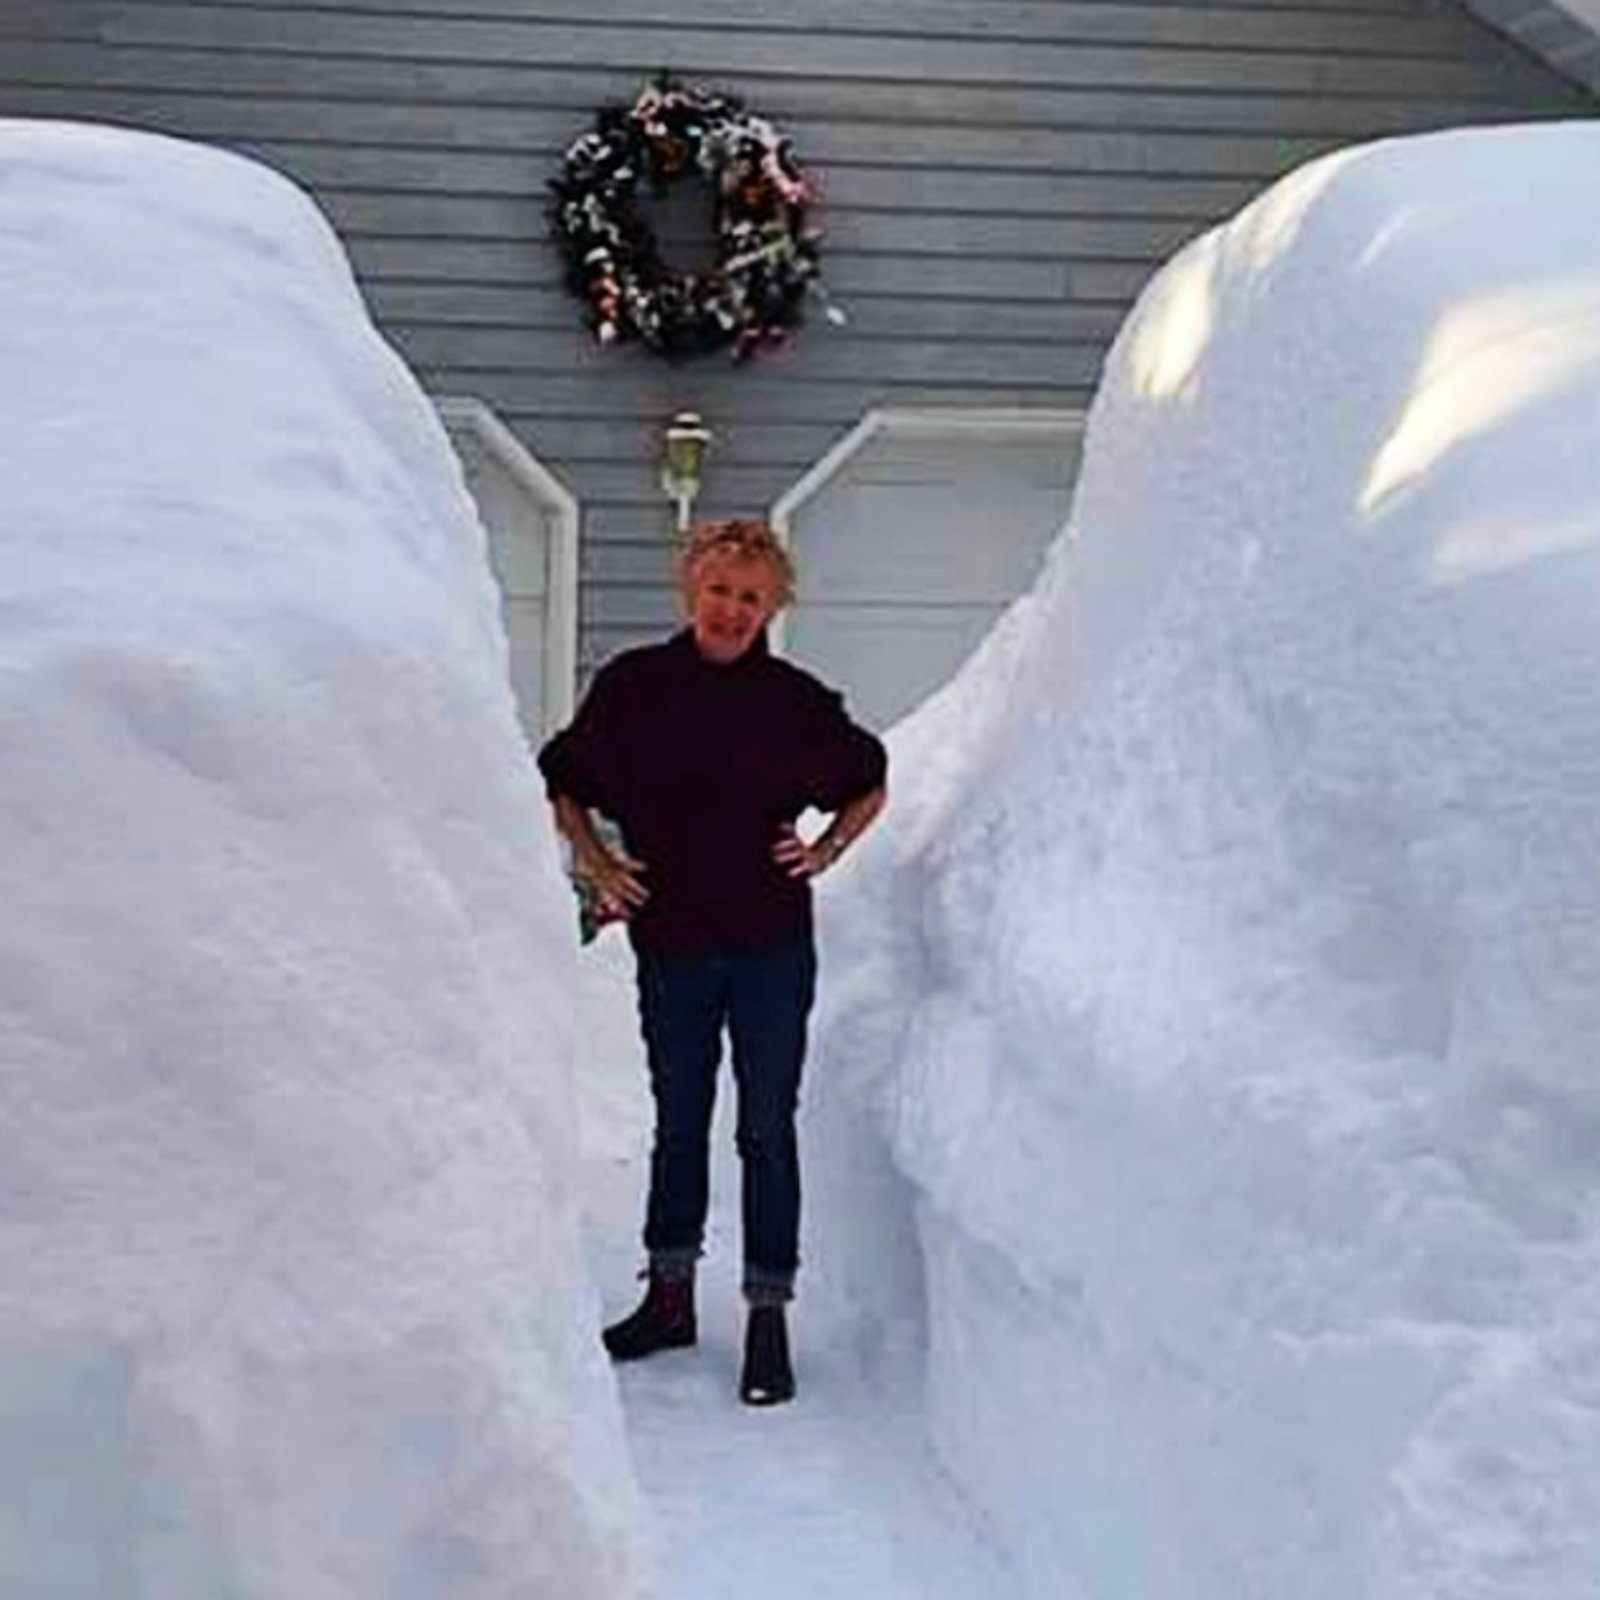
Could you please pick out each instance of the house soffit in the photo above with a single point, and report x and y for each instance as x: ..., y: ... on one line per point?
x: 1564, y: 33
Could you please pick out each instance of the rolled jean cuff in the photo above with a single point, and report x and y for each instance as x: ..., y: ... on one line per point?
x: 674, y: 1266
x: 764, y: 1288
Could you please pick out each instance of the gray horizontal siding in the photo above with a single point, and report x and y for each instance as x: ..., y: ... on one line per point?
x: 390, y: 170
x: 1000, y: 177
x: 836, y: 356
x: 511, y: 217
x: 1278, y: 29
x: 49, y: 19
x: 487, y: 105
x: 1372, y: 25
x: 388, y: 259
x: 490, y: 310
x: 1199, y: 62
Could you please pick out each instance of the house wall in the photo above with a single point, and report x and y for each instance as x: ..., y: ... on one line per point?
x: 1001, y: 176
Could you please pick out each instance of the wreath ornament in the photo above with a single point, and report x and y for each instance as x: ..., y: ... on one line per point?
x: 767, y: 252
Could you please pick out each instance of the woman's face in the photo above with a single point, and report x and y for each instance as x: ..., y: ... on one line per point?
x: 731, y: 599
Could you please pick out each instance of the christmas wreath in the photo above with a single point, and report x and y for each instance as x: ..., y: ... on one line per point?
x: 767, y: 255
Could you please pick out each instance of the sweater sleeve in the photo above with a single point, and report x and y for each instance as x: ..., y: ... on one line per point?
x: 840, y: 760
x: 581, y: 760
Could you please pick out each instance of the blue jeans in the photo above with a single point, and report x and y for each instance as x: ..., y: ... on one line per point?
x: 763, y: 998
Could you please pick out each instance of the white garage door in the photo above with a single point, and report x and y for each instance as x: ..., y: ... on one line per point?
x: 912, y: 536
x: 531, y: 521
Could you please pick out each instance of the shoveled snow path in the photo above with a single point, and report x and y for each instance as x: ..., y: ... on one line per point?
x: 836, y: 1494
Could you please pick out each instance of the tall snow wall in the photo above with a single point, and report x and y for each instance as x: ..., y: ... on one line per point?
x: 1225, y: 981
x: 291, y: 1299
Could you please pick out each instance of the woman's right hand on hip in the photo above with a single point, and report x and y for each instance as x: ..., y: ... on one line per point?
x: 616, y: 880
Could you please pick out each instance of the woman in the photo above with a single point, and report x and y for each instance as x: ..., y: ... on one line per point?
x: 705, y: 749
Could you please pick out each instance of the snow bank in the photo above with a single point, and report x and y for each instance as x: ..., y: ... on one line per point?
x: 1226, y: 979
x: 291, y: 1302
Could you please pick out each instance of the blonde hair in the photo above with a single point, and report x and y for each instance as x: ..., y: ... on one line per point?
x: 745, y: 539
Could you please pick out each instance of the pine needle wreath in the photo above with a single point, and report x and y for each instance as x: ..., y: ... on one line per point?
x: 767, y: 253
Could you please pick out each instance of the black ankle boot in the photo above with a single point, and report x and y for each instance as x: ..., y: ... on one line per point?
x: 768, y: 1377
x: 663, y: 1321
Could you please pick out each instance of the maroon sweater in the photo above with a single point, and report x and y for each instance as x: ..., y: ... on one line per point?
x: 701, y: 764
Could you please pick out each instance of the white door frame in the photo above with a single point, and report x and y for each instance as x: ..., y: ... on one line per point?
x: 560, y: 508
x: 917, y: 423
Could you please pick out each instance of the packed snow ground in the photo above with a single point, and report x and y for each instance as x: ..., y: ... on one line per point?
x: 835, y: 1495
x: 1224, y: 982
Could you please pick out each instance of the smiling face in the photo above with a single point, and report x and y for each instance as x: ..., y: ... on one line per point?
x: 730, y: 598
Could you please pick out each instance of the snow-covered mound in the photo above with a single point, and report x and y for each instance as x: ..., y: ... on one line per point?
x: 1226, y: 979
x: 291, y: 1300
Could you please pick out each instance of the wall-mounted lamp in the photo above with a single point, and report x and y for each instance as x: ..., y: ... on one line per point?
x: 683, y: 460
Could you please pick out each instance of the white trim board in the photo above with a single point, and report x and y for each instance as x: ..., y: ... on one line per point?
x: 914, y: 429
x: 916, y: 423
x: 559, y: 504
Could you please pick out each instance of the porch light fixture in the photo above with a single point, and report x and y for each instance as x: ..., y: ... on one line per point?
x: 683, y: 460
